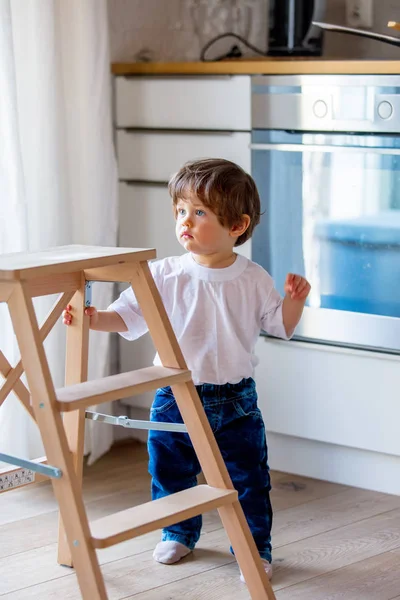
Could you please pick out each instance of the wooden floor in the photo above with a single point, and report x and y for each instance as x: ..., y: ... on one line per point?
x: 331, y: 542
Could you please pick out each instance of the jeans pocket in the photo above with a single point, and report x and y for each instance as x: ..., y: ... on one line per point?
x: 163, y: 401
x: 246, y: 406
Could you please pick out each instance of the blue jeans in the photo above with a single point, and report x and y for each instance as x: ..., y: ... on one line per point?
x: 240, y: 433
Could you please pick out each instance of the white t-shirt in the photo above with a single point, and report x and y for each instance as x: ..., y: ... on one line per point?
x: 216, y: 314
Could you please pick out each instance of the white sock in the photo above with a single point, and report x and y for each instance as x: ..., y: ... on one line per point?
x: 170, y: 552
x: 267, y: 568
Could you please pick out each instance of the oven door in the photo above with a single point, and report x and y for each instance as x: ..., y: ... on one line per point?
x: 331, y: 212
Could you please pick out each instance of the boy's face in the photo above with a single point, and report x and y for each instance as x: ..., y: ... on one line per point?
x: 199, y: 230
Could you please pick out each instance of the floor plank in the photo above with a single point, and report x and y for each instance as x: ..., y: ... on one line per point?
x: 320, y: 554
x: 376, y: 578
x: 221, y: 582
x: 292, y: 490
x: 123, y: 577
x: 329, y: 513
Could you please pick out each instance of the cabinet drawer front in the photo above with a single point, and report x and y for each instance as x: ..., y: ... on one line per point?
x: 184, y: 102
x: 332, y: 395
x: 151, y: 156
x: 146, y: 219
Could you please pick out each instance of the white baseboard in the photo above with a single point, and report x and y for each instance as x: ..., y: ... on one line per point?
x: 338, y: 464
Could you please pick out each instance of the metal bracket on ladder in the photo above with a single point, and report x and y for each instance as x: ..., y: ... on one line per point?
x: 136, y: 424
x: 32, y: 466
x: 88, y: 293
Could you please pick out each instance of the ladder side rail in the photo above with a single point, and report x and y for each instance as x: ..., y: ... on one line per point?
x: 67, y: 489
x: 76, y: 371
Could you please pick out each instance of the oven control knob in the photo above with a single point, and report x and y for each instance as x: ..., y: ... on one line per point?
x: 385, y: 110
x: 320, y: 109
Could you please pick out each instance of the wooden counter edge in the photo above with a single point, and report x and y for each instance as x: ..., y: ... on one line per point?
x: 260, y: 67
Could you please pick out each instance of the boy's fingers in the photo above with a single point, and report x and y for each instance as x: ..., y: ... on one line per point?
x: 297, y: 281
x: 303, y: 291
x: 302, y: 285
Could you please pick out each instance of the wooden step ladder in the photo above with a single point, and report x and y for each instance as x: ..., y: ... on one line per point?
x: 67, y: 270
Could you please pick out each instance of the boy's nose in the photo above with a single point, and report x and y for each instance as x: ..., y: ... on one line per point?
x: 187, y: 222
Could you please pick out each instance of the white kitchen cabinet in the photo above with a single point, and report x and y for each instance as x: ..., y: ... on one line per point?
x: 156, y: 155
x: 188, y: 102
x: 339, y: 407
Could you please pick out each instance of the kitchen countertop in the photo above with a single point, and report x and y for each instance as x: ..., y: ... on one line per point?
x: 261, y: 66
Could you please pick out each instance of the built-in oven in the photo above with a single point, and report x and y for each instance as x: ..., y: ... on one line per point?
x: 326, y: 160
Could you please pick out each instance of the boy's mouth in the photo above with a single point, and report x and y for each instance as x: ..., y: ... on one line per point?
x: 186, y: 235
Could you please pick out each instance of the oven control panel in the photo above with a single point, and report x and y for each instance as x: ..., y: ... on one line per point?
x: 338, y: 103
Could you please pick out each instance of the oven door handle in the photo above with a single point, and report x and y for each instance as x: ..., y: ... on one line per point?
x: 321, y: 148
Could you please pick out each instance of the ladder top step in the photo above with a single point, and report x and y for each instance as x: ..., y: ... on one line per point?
x: 114, y: 387
x: 127, y: 524
x: 67, y: 259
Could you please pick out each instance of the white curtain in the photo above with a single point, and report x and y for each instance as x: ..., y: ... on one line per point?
x: 58, y: 178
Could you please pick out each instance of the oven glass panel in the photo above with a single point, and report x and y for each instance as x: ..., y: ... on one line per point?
x: 331, y: 206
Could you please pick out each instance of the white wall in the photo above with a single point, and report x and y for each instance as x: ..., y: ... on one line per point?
x: 167, y: 30
x: 346, y: 46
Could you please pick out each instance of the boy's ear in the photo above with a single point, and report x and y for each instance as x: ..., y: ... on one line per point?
x: 239, y: 228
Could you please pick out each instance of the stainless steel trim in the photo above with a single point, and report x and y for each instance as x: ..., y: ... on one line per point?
x: 351, y: 103
x: 327, y: 80
x: 344, y: 328
x: 324, y: 148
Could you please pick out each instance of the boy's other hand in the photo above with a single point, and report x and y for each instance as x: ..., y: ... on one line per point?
x: 296, y: 287
x: 91, y: 312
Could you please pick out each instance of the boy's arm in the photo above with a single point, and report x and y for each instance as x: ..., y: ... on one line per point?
x: 291, y: 313
x: 107, y: 320
x: 100, y: 320
x: 297, y: 289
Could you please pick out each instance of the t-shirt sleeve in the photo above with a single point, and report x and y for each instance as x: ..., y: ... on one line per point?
x: 129, y: 310
x: 272, y: 317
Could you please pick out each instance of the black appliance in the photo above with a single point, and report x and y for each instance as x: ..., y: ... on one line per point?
x: 291, y: 29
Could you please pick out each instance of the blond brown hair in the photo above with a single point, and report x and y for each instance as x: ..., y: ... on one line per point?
x: 222, y: 186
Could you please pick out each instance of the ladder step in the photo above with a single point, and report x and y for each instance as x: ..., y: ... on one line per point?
x: 114, y: 387
x: 127, y: 524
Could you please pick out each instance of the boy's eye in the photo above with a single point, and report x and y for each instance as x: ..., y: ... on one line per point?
x: 181, y: 211
x: 200, y: 212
